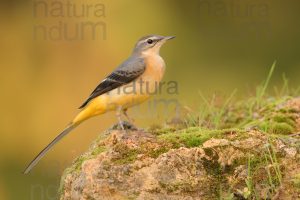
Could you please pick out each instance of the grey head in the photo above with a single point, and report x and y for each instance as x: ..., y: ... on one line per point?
x: 150, y: 44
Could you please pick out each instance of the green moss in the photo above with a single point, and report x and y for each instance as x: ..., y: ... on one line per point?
x: 125, y: 154
x: 161, y: 131
x: 75, y: 168
x: 98, y: 150
x: 77, y: 163
x: 154, y: 153
x: 296, y: 180
x: 288, y: 110
x: 128, y: 158
x: 282, y: 128
x: 192, y: 137
x: 277, y: 121
x: 285, y: 119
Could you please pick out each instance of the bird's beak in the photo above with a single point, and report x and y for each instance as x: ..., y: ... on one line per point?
x: 169, y: 37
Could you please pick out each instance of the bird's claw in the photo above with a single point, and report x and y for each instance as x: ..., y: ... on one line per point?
x: 124, y: 125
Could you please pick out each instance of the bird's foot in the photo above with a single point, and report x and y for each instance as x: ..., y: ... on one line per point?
x: 130, y: 120
x: 124, y: 125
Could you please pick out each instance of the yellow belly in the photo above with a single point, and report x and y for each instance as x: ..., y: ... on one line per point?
x: 118, y: 98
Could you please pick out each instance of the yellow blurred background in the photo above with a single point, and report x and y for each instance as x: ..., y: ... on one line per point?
x: 220, y: 45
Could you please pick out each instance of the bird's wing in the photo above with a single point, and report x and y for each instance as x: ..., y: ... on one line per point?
x: 125, y: 73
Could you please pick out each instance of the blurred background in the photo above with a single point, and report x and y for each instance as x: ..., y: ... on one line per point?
x: 53, y: 54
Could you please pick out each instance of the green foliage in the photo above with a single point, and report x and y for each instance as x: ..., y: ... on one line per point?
x: 261, y: 89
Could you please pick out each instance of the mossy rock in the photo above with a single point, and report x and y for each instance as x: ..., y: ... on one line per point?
x: 281, y: 128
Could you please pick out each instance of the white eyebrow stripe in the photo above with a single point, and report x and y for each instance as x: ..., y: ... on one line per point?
x: 142, y: 41
x: 145, y: 40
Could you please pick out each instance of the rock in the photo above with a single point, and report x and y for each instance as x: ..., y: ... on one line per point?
x: 215, y: 143
x: 290, y: 152
x: 111, y: 176
x: 248, y: 143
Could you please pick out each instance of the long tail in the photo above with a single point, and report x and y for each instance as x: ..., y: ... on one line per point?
x: 86, y: 113
x: 48, y: 147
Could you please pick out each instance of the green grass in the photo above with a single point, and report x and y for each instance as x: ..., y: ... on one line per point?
x: 263, y: 168
x: 272, y: 168
x: 210, y: 114
x: 258, y: 111
x: 247, y: 191
x: 261, y: 90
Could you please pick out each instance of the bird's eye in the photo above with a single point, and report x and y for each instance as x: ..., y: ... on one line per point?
x: 149, y: 41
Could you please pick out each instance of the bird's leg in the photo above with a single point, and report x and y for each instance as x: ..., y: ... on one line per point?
x: 131, y: 121
x: 118, y: 113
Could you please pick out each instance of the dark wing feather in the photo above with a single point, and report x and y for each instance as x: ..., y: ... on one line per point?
x: 125, y: 73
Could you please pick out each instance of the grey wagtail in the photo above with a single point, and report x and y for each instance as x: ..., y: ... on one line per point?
x: 142, y: 72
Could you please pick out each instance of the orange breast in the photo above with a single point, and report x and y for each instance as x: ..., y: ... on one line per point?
x: 155, y: 68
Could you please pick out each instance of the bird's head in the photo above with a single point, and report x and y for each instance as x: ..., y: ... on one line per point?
x: 150, y: 44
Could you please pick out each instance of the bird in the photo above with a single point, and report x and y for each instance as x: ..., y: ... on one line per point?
x: 131, y: 83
